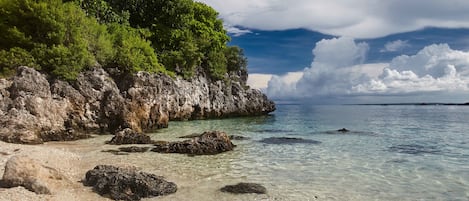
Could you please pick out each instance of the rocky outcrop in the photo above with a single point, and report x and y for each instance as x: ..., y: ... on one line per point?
x: 242, y: 188
x: 34, y: 109
x: 208, y: 143
x: 128, y: 136
x: 127, y: 183
x: 26, y: 172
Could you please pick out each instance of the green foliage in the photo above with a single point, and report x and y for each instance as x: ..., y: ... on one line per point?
x: 236, y: 61
x: 102, y: 11
x: 133, y: 53
x: 185, y: 34
x: 64, y: 39
x: 10, y: 59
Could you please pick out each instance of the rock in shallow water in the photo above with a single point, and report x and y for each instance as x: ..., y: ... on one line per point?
x: 242, y: 188
x: 127, y: 183
x: 208, y: 143
x: 128, y: 136
x: 288, y: 140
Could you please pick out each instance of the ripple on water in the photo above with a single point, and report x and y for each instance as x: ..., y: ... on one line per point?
x: 288, y: 140
x: 415, y: 149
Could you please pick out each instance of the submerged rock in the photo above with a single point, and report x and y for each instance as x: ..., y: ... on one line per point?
x: 128, y: 136
x: 242, y: 188
x: 288, y: 140
x: 415, y: 149
x: 238, y: 137
x: 134, y: 149
x: 207, y: 143
x: 26, y: 172
x: 127, y: 183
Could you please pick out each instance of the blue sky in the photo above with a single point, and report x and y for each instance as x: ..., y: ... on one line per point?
x: 361, y: 51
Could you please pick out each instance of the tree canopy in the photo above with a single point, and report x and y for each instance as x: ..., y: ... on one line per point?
x: 64, y: 38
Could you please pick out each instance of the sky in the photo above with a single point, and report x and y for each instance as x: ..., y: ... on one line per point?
x: 361, y: 51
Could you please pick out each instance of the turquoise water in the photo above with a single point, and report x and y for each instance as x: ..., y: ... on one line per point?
x: 391, y: 153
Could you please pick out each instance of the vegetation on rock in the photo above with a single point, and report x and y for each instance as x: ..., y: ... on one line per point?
x: 64, y: 38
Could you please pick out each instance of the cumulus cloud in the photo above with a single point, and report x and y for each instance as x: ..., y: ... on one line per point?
x: 337, y: 71
x: 357, y: 18
x: 395, y: 46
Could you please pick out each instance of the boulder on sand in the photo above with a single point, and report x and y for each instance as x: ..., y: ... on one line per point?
x: 26, y: 172
x: 121, y: 183
x: 207, y: 143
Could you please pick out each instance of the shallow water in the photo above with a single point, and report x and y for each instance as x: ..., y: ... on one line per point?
x: 390, y: 153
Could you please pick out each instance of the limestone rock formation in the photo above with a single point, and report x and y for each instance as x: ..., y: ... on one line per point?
x: 26, y: 172
x: 127, y: 183
x: 35, y: 108
x: 206, y: 144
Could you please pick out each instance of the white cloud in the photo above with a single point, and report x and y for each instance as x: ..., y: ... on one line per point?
x: 259, y: 81
x: 395, y: 46
x: 235, y: 31
x: 357, y: 18
x: 436, y: 72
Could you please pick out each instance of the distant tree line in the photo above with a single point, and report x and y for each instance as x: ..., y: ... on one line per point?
x: 64, y: 38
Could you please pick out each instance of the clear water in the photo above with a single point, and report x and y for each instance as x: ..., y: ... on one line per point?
x: 391, y: 153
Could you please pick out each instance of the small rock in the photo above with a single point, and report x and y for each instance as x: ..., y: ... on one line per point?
x: 128, y: 136
x: 242, y: 188
x: 288, y: 140
x: 134, y: 149
x: 206, y: 144
x: 343, y: 130
x: 127, y: 183
x: 24, y: 171
x: 238, y: 137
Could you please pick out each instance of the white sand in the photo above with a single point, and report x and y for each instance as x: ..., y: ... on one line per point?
x: 73, y: 159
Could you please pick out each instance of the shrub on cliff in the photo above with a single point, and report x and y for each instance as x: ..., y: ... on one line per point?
x: 60, y: 38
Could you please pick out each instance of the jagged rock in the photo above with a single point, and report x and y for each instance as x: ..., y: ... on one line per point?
x: 288, y: 140
x: 34, y: 109
x: 24, y: 171
x: 128, y: 136
x: 127, y: 183
x: 242, y: 188
x: 134, y: 149
x: 206, y: 144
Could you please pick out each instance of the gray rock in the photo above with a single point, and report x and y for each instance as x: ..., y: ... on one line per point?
x: 127, y: 183
x: 23, y: 171
x: 34, y: 110
x: 128, y: 136
x: 208, y: 143
x: 242, y: 188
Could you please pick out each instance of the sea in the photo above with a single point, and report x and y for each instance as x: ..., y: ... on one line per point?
x: 389, y: 152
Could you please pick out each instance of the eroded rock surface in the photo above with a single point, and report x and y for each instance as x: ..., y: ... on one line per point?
x: 35, y: 108
x: 208, y: 143
x: 127, y: 183
x: 34, y: 176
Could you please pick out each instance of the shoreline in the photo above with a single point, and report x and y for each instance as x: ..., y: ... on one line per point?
x: 74, y: 158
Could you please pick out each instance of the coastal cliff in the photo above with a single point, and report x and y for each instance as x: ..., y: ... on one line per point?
x: 35, y: 109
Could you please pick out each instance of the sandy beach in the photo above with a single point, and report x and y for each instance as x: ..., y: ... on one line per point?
x: 74, y: 158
